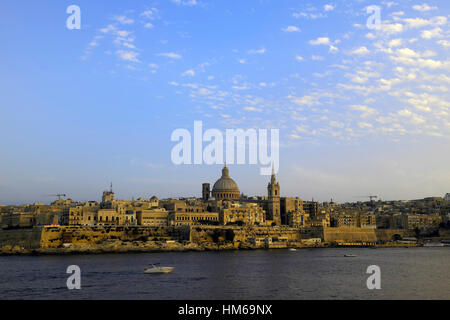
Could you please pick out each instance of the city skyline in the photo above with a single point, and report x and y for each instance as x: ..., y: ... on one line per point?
x: 360, y: 110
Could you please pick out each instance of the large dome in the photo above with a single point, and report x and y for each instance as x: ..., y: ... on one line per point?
x: 225, y: 187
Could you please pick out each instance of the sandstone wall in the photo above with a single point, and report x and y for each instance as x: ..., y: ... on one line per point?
x: 20, y: 238
x: 55, y: 236
x: 388, y: 234
x: 200, y: 234
x: 349, y: 234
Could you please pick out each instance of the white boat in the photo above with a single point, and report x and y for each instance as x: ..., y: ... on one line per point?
x: 433, y: 244
x: 350, y: 255
x: 292, y: 249
x: 154, y: 269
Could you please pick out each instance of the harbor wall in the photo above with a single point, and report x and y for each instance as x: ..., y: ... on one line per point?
x: 55, y: 236
x: 200, y: 234
x: 361, y: 234
x: 16, y: 239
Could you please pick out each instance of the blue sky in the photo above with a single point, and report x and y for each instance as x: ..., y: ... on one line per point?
x: 360, y: 111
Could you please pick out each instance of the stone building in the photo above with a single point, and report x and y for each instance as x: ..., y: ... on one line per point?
x: 193, y: 218
x: 353, y: 220
x: 292, y: 213
x: 420, y: 221
x: 311, y: 208
x: 157, y: 217
x: 245, y: 214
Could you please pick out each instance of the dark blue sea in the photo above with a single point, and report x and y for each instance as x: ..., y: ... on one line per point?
x: 406, y: 273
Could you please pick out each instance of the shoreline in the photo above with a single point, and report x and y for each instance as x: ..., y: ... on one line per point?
x: 191, y: 247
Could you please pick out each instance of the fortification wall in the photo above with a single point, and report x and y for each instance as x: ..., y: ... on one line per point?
x: 349, y: 234
x: 388, y: 234
x: 56, y: 236
x: 200, y: 234
x: 16, y: 239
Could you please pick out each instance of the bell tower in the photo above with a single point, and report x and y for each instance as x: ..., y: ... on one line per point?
x: 273, y: 207
x: 206, y: 191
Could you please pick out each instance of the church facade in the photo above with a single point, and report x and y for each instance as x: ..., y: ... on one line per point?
x: 226, y: 198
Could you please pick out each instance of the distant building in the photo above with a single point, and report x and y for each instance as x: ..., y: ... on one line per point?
x: 193, y: 218
x: 155, y: 217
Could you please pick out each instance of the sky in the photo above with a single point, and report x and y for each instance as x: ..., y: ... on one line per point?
x: 361, y: 111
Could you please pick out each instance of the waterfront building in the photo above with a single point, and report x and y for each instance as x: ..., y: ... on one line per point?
x: 193, y: 218
x: 245, y: 214
x: 157, y: 217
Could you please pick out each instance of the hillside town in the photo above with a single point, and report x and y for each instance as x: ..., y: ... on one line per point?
x: 269, y: 221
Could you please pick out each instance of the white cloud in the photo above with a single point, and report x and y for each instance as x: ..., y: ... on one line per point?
x: 361, y: 51
x: 170, y: 55
x: 365, y: 125
x: 308, y: 15
x: 188, y: 73
x: 123, y: 20
x: 366, y: 111
x: 260, y: 51
x: 391, y: 28
x: 299, y: 58
x: 413, y: 23
x: 189, y: 3
x: 320, y: 41
x: 395, y: 43
x: 128, y: 55
x: 424, y: 7
x: 306, y: 101
x: 444, y: 43
x: 123, y: 33
x: 252, y: 109
x: 317, y: 58
x: 333, y: 49
x: 150, y: 14
x: 291, y: 29
x: 433, y: 33
x: 108, y: 29
x: 328, y: 7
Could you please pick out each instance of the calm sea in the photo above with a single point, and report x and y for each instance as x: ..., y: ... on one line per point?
x: 416, y: 273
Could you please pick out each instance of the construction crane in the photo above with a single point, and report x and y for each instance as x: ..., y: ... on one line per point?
x: 370, y: 197
x: 59, y: 195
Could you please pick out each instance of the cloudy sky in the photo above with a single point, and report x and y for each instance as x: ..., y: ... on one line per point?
x: 361, y: 110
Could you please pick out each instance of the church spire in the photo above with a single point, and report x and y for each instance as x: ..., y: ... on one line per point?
x: 273, y: 179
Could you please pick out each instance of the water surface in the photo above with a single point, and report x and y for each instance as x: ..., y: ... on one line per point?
x: 406, y: 273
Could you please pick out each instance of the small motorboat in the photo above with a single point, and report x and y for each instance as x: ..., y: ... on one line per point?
x: 292, y: 249
x: 156, y: 269
x: 350, y: 255
x: 433, y: 244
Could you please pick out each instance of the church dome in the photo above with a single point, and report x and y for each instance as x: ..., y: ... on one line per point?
x: 225, y: 187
